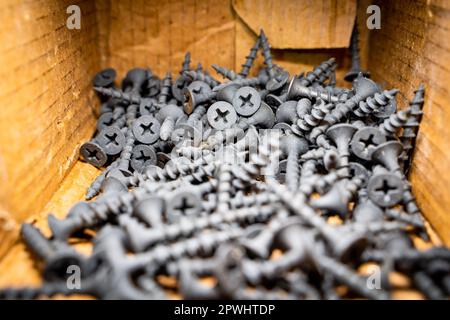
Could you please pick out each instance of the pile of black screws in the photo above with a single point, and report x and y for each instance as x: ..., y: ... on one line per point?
x: 235, y: 180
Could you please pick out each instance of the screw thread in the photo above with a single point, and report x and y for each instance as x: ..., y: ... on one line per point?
x: 186, y: 63
x: 224, y: 72
x: 250, y: 59
x: 395, y: 122
x: 118, y: 94
x: 372, y: 104
x: 165, y: 89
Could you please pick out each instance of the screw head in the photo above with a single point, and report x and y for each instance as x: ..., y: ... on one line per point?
x: 146, y: 129
x: 105, y: 78
x: 221, y: 115
x: 106, y: 119
x: 199, y: 87
x: 142, y: 156
x: 278, y: 81
x: 358, y: 170
x: 246, y: 101
x: 93, y: 154
x: 385, y: 190
x: 364, y: 142
x: 178, y: 86
x: 112, y: 140
x: 182, y: 203
x: 385, y: 111
x: 146, y: 106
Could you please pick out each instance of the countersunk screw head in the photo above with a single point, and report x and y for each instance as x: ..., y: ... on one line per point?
x: 278, y: 81
x: 93, y: 154
x: 112, y: 140
x: 182, y: 203
x: 199, y: 87
x: 221, y: 115
x: 146, y: 129
x: 246, y: 101
x: 105, y: 78
x: 142, y: 156
x: 386, y: 190
x: 105, y: 120
x: 365, y: 140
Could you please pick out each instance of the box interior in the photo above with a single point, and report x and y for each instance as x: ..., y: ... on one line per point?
x: 50, y: 108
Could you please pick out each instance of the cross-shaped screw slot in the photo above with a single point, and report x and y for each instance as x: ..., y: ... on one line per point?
x: 108, y: 122
x: 92, y: 154
x: 147, y: 128
x: 111, y: 139
x: 386, y: 188
x: 197, y: 90
x: 246, y: 101
x: 368, y: 141
x: 142, y: 157
x: 184, y: 206
x: 222, y: 115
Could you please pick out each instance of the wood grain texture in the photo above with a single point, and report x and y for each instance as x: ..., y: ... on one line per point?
x: 46, y: 73
x: 157, y: 34
x: 413, y: 47
x: 302, y: 24
x: 293, y: 60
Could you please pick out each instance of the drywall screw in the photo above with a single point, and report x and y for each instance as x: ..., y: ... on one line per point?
x: 153, y: 86
x: 388, y: 154
x: 395, y: 122
x: 93, y: 153
x: 385, y: 189
x: 293, y: 147
x: 57, y: 256
x: 312, y: 93
x: 224, y: 72
x: 135, y: 80
x: 192, y: 100
x: 145, y: 104
x: 194, y: 76
x: 264, y: 118
x: 111, y: 140
x: 142, y: 238
x: 341, y: 135
x: 168, y: 116
x: 142, y: 156
x: 246, y: 101
x: 221, y: 115
x: 186, y: 63
x: 95, y: 186
x: 224, y: 188
x: 354, y: 49
x: 337, y: 199
x: 365, y: 140
x: 165, y: 90
x: 304, y: 247
x: 344, y: 245
x: 146, y: 129
x: 402, y: 216
x: 316, y: 115
x: 375, y: 105
x: 297, y: 84
x: 367, y: 212
x: 250, y: 59
x: 411, y: 126
x: 364, y: 88
x: 105, y: 78
x: 275, y: 101
x: 182, y: 203
x: 287, y: 112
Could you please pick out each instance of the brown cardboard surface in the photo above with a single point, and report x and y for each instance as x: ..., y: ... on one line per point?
x: 46, y: 72
x: 413, y: 47
x: 300, y: 24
